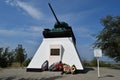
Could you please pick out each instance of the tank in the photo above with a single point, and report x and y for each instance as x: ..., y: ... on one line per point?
x: 60, y: 30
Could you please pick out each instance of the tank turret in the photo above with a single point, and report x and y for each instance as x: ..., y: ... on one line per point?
x: 61, y: 29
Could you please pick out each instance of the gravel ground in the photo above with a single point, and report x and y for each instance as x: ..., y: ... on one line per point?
x: 91, y: 74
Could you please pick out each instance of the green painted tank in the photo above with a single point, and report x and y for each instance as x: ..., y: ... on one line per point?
x: 61, y: 29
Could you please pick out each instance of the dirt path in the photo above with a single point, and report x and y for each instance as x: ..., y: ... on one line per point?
x: 21, y: 74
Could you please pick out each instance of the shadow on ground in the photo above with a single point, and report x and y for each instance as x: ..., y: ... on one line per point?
x: 107, y: 76
x: 50, y: 78
x: 8, y: 78
x: 86, y: 70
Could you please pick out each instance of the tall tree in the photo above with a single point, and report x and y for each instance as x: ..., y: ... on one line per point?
x: 109, y: 38
x: 10, y: 58
x: 4, y: 60
x: 20, y: 54
x: 1, y: 51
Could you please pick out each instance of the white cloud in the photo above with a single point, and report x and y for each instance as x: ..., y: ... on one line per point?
x: 35, y: 29
x: 83, y: 32
x: 29, y: 9
x: 21, y: 32
x: 8, y: 32
x: 31, y: 42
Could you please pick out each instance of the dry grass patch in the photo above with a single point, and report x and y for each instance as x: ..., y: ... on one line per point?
x: 15, y: 65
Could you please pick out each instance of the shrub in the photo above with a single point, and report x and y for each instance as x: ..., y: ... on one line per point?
x: 26, y: 62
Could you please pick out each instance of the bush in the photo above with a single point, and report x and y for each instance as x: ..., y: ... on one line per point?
x: 16, y: 65
x: 26, y: 62
x: 104, y: 64
x: 3, y: 63
x: 93, y: 63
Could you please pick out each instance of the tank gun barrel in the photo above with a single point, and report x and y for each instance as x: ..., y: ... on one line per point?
x: 53, y: 13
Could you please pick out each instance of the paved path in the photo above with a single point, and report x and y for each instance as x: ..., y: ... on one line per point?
x: 21, y: 74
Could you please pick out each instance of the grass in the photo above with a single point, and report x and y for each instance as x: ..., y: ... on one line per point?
x: 93, y: 63
x: 15, y: 65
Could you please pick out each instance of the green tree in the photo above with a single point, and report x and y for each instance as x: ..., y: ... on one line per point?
x: 20, y: 54
x: 26, y: 62
x: 6, y: 57
x: 10, y: 58
x: 109, y: 38
x: 1, y: 51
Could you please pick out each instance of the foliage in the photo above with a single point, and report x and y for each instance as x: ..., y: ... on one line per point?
x: 109, y: 38
x: 93, y: 63
x: 15, y: 65
x: 7, y: 58
x: 20, y: 55
x: 26, y: 62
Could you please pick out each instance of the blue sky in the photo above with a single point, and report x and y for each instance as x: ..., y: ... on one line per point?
x: 22, y: 21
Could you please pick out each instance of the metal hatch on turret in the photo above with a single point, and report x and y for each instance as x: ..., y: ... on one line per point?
x: 61, y: 29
